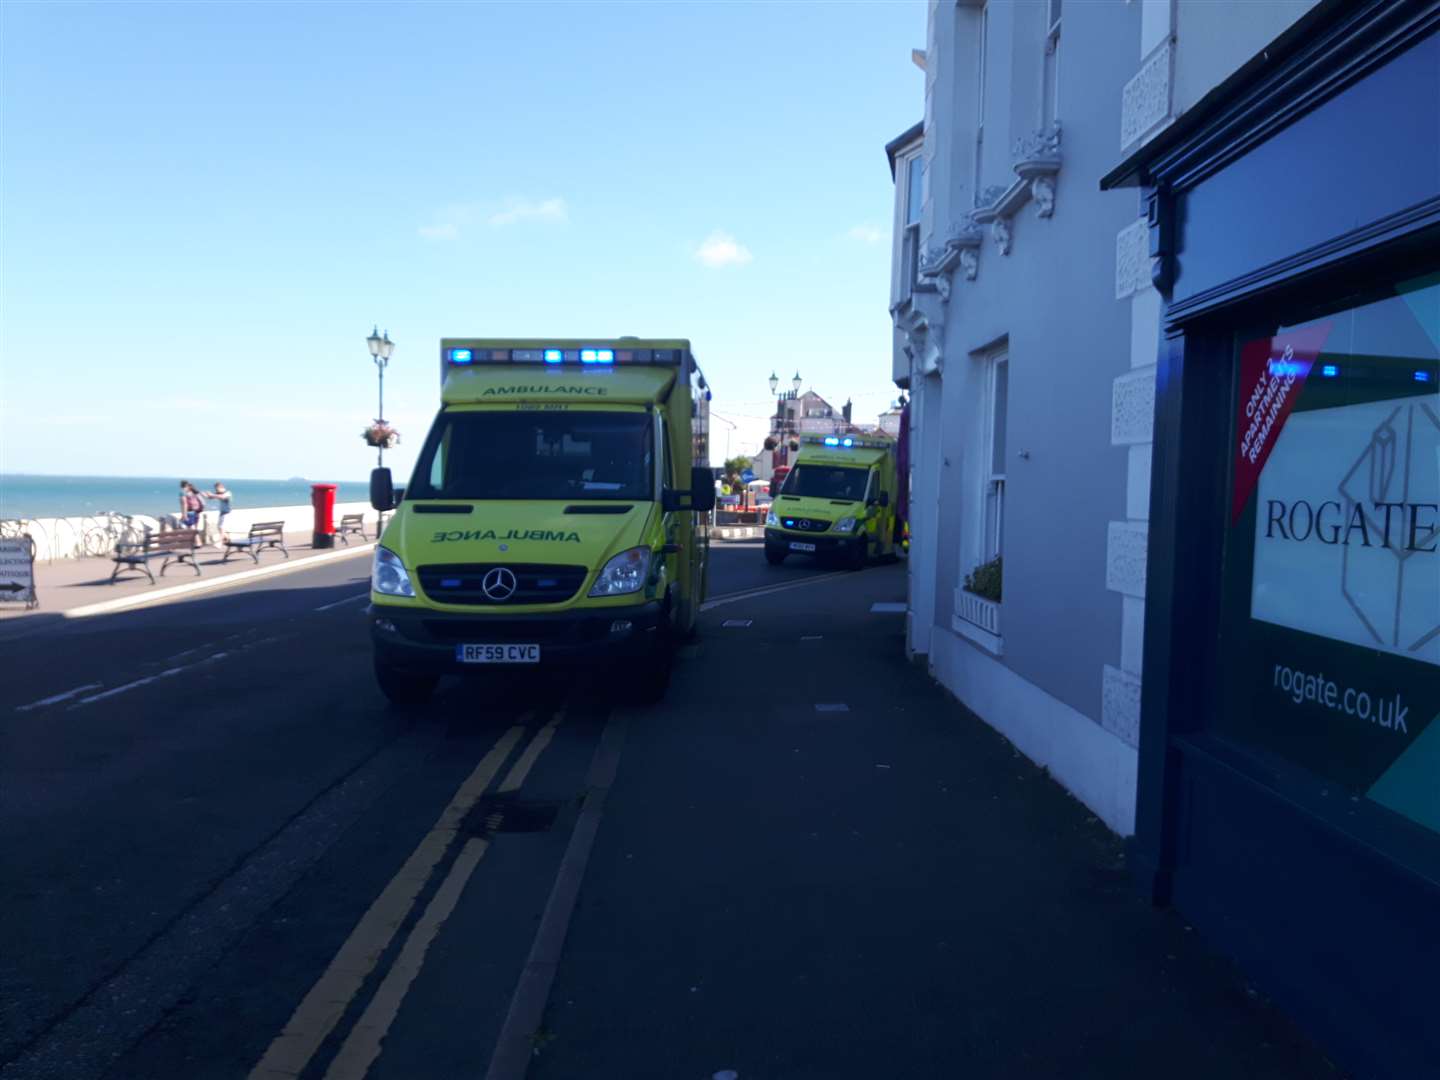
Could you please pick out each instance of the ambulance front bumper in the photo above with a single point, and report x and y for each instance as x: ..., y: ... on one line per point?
x: 781, y: 539
x: 422, y: 640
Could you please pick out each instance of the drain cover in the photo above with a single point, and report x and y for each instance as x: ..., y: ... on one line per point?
x: 510, y: 814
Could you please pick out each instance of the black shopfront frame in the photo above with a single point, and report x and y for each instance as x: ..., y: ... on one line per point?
x: 1332, y: 907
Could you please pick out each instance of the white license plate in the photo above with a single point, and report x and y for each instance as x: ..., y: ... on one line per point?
x: 497, y: 654
x: 795, y: 545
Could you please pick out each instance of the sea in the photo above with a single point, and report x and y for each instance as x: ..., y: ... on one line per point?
x: 25, y: 495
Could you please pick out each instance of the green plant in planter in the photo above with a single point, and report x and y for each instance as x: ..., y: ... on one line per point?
x: 984, y: 580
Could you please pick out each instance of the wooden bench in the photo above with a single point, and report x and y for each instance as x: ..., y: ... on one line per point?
x: 351, y: 525
x: 176, y: 545
x: 262, y: 535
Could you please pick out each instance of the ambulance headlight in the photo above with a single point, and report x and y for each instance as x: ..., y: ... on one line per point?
x: 771, y: 518
x: 625, y: 573
x: 388, y: 575
x: 845, y: 524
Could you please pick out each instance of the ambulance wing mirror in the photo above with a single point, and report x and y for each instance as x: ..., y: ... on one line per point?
x: 702, y: 489
x: 701, y: 493
x: 382, y: 490
x: 884, y: 498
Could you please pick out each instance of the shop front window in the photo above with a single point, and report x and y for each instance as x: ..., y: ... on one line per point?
x: 1330, y: 629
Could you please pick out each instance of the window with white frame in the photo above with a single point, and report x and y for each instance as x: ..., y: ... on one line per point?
x: 910, y: 245
x: 980, y: 58
x: 993, y: 467
x: 1050, y: 85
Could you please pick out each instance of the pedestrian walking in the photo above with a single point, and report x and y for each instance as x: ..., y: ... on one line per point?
x: 219, y: 498
x: 190, y: 504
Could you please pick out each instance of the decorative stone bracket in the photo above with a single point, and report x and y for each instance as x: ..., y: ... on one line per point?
x: 1037, y: 163
x: 921, y: 319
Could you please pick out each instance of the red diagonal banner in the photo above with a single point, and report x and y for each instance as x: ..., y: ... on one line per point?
x: 1272, y: 374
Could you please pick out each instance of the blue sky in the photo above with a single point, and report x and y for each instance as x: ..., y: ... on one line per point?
x: 206, y: 206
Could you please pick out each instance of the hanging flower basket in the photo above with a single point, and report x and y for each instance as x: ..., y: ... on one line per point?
x: 381, y: 435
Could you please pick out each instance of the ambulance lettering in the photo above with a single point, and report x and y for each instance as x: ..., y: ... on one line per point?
x: 555, y: 536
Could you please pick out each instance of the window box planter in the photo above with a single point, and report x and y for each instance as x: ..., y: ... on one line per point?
x: 978, y: 620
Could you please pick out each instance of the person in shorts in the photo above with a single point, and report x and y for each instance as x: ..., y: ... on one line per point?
x: 219, y: 498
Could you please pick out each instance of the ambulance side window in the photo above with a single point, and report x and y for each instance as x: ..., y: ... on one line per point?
x: 437, y: 466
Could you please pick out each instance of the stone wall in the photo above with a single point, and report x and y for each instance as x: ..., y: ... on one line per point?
x: 76, y: 537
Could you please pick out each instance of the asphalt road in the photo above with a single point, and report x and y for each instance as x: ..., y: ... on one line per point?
x: 225, y: 856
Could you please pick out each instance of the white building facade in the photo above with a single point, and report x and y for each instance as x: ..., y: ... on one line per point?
x: 1026, y: 333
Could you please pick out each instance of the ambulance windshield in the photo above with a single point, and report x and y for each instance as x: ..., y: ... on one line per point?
x: 536, y: 455
x: 836, y: 482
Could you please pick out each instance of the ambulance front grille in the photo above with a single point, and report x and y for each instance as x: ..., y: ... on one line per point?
x: 805, y: 524
x: 533, y: 584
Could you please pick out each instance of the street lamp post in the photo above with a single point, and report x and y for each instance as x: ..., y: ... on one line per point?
x: 380, y: 349
x: 781, y: 421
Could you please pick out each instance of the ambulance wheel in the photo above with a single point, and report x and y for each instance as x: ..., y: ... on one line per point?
x: 404, y: 687
x: 859, y: 555
x: 775, y: 555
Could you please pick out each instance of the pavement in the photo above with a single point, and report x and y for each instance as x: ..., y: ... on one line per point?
x: 226, y: 856
x: 66, y: 587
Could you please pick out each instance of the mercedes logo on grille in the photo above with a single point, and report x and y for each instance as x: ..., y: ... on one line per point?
x: 499, y: 583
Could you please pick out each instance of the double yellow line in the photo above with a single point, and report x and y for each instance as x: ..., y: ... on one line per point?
x: 323, y: 1007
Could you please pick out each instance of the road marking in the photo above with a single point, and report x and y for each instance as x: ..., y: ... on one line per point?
x: 837, y: 707
x: 167, y: 673
x: 887, y: 608
x: 812, y: 637
x: 321, y: 1009
x: 362, y: 1045
x: 158, y: 595
x: 347, y: 600
x: 57, y: 698
x: 731, y: 598
x: 514, y: 1047
x: 740, y: 624
x: 521, y: 769
x: 170, y: 672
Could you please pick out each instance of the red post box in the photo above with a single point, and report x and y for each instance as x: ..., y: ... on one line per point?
x: 322, y: 498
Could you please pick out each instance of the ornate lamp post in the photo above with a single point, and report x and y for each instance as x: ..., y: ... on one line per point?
x: 780, y: 454
x: 380, y: 349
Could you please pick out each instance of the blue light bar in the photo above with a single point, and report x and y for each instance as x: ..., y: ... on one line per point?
x: 1422, y: 376
x: 831, y: 440
x: 847, y: 442
x: 597, y: 356
x: 553, y: 356
x: 1288, y: 367
x: 461, y: 356
x: 1329, y: 371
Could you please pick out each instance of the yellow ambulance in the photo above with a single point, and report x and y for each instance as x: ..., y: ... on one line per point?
x: 556, y: 516
x: 836, y: 502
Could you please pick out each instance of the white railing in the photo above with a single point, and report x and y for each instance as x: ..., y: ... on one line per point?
x: 977, y: 610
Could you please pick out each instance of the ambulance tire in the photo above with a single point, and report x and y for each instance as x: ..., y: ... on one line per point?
x: 859, y: 556
x: 404, y: 687
x: 775, y: 555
